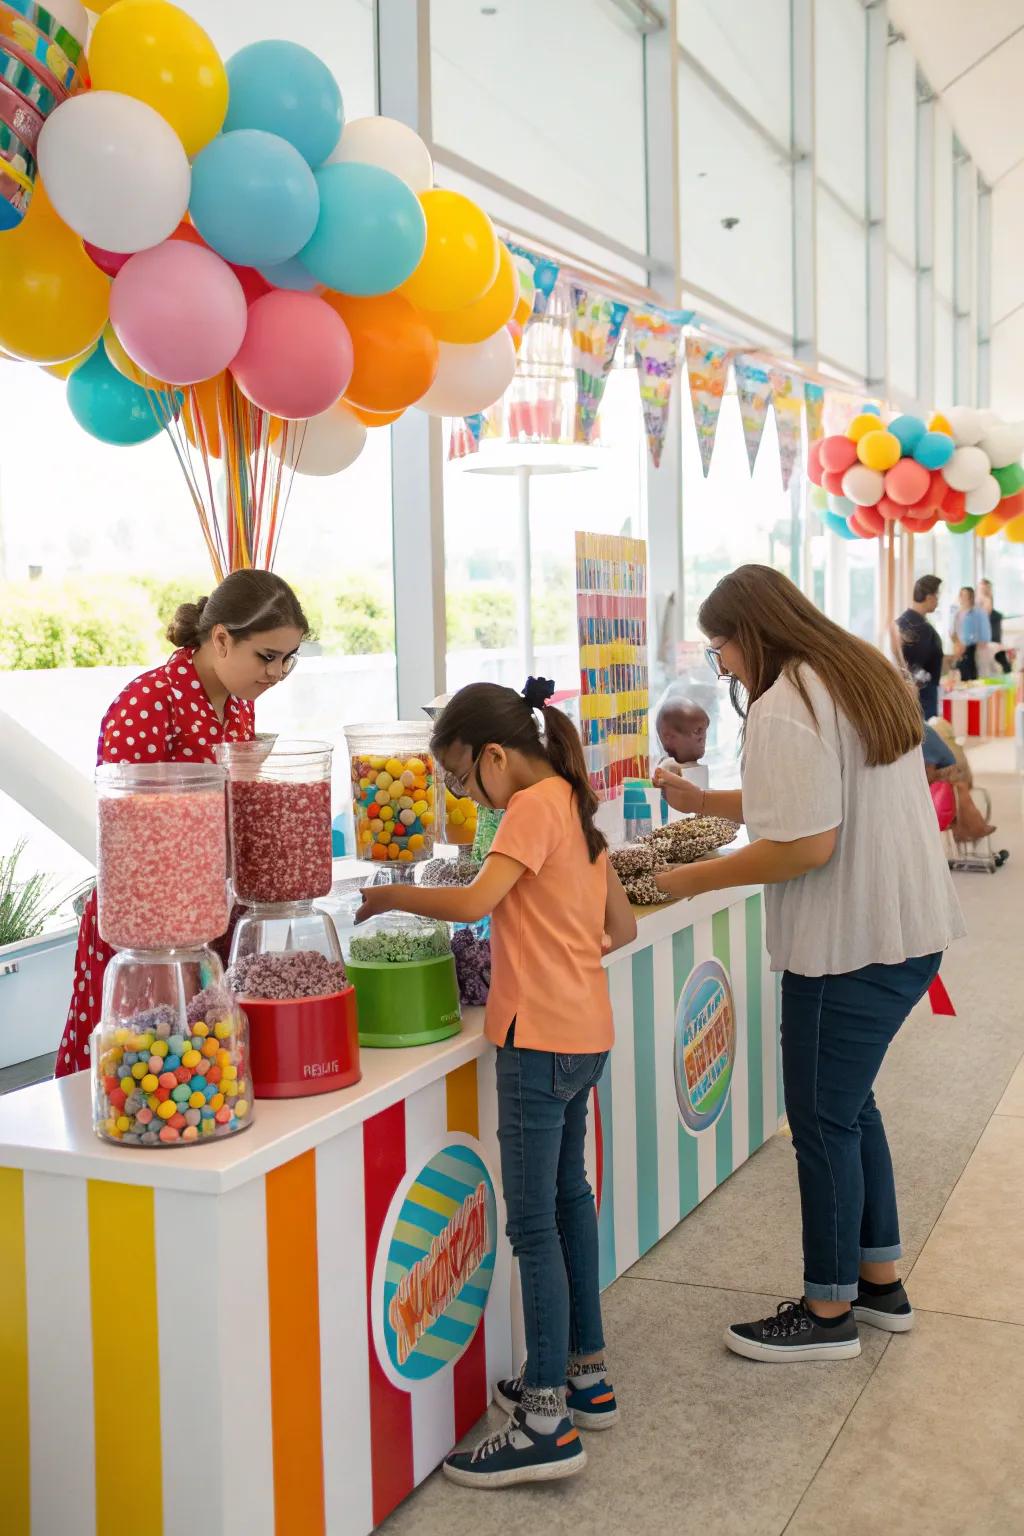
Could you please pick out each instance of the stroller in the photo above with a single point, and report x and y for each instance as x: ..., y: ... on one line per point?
x: 977, y: 854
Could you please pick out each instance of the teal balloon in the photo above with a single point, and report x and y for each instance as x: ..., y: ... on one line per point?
x: 838, y: 525
x: 254, y: 199
x: 933, y: 449
x: 285, y: 89
x: 291, y: 275
x: 110, y: 407
x: 1011, y: 479
x: 870, y: 410
x: 371, y: 233
x: 965, y: 525
x: 842, y: 506
x: 909, y: 430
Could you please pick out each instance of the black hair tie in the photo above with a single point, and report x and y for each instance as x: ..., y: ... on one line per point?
x: 538, y: 691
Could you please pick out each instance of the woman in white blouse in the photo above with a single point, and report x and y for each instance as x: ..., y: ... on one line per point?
x: 859, y: 907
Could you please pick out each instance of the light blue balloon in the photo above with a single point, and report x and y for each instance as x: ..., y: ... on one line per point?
x: 838, y: 525
x: 909, y: 430
x: 933, y: 449
x: 870, y: 410
x: 842, y: 506
x: 254, y: 199
x: 109, y: 406
x: 291, y: 275
x: 371, y: 233
x: 285, y: 89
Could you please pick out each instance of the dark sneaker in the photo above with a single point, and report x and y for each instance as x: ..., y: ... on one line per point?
x: 517, y: 1454
x: 793, y: 1333
x: 590, y: 1407
x: 892, y: 1312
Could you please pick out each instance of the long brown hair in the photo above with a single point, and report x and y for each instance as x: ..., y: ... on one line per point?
x: 777, y: 629
x: 485, y: 713
x: 246, y: 603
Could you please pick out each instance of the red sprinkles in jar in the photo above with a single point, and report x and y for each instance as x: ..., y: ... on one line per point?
x: 280, y: 840
x: 161, y: 866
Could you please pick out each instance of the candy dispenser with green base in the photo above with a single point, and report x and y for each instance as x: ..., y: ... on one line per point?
x: 403, y: 970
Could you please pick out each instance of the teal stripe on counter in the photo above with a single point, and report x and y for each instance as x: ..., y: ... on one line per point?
x: 755, y: 1025
x: 606, y: 1215
x: 682, y: 965
x: 723, y: 1126
x: 646, y: 1100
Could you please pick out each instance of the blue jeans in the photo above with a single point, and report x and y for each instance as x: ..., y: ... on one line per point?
x: 928, y: 693
x: 835, y: 1033
x: 552, y: 1220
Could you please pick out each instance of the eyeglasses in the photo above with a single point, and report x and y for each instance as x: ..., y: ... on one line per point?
x: 460, y: 787
x: 713, y: 656
x: 288, y: 663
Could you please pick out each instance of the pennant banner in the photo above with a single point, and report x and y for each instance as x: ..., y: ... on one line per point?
x: 656, y: 336
x: 545, y: 276
x: 788, y: 412
x: 814, y: 402
x: 707, y: 366
x: 463, y: 440
x: 754, y: 388
x: 596, y: 326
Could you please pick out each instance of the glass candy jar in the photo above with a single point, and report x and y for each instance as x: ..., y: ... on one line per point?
x: 393, y: 791
x: 170, y: 1058
x: 279, y: 814
x: 403, y: 972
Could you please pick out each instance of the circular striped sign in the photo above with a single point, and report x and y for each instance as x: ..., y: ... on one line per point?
x: 705, y: 1045
x: 437, y: 1252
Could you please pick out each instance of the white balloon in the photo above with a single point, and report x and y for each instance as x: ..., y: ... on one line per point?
x: 863, y: 486
x: 968, y: 427
x: 967, y: 469
x: 323, y: 445
x: 389, y: 144
x: 71, y: 16
x: 115, y: 171
x: 470, y: 378
x: 989, y: 419
x: 1003, y: 444
x: 984, y: 498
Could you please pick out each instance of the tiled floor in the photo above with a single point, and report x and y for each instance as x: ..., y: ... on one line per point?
x: 921, y: 1436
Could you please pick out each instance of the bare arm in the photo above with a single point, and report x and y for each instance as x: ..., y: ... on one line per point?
x: 461, y: 904
x: 619, y: 918
x: 692, y: 800
x: 762, y: 863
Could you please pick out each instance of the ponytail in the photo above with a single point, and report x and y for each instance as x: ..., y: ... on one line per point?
x: 486, y: 712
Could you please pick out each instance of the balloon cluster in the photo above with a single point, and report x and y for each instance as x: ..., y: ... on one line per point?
x: 961, y: 468
x: 226, y: 233
x: 42, y: 63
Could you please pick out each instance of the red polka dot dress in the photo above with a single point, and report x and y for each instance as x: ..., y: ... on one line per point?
x: 164, y: 716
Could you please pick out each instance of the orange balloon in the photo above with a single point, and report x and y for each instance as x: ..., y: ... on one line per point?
x: 372, y: 418
x: 201, y: 413
x: 1015, y: 531
x: 523, y: 309
x: 395, y: 350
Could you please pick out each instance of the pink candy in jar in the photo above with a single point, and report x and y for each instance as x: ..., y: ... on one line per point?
x: 279, y: 808
x: 161, y: 855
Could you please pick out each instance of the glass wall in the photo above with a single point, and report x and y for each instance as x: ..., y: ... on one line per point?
x: 901, y: 219
x: 840, y: 86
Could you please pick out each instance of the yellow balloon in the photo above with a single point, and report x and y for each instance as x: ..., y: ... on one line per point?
x: 55, y: 301
x: 65, y: 370
x: 460, y: 261
x: 879, y: 449
x: 938, y: 423
x: 478, y: 321
x: 861, y: 425
x: 151, y: 50
x: 1015, y: 530
x: 988, y: 526
x: 117, y: 355
x: 100, y: 7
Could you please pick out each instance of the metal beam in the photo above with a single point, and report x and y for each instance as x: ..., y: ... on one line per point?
x: 924, y: 216
x: 984, y: 264
x: 963, y: 275
x: 877, y: 45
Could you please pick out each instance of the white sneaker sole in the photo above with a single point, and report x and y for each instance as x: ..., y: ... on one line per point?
x: 779, y: 1354
x: 588, y: 1421
x: 550, y: 1472
x: 889, y: 1322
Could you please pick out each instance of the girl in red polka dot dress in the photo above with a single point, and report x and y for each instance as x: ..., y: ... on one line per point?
x: 229, y: 649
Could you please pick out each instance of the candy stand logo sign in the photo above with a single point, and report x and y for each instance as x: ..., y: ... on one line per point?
x: 435, y: 1264
x: 705, y: 1045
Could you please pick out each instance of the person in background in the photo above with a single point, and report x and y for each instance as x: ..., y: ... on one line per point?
x: 682, y: 728
x: 230, y: 648
x: 995, y: 619
x: 920, y: 645
x: 971, y: 628
x: 550, y: 1017
x: 859, y: 907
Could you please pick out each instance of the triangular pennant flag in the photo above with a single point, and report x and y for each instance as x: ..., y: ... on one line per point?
x: 656, y: 335
x: 545, y: 276
x: 754, y: 388
x: 596, y: 327
x: 789, y: 407
x: 463, y: 440
x: 942, y: 1003
x: 708, y: 367
x: 814, y: 403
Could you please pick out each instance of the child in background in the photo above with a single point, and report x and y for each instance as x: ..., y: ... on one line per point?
x: 682, y: 728
x: 556, y: 905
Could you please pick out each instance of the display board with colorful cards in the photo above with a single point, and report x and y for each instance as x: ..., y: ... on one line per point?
x: 611, y: 609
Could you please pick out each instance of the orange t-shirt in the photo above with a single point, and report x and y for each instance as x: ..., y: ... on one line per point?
x: 546, y: 970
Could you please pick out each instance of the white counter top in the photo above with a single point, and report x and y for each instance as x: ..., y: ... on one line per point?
x: 48, y: 1128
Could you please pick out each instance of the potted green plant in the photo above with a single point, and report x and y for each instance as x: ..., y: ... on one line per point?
x: 36, y: 961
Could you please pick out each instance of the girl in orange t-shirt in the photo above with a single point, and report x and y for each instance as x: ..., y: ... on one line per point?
x: 557, y: 905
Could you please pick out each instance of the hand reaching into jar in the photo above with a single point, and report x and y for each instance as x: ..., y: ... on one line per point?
x: 691, y: 800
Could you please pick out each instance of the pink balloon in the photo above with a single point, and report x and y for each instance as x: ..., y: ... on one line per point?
x: 814, y: 464
x: 837, y: 454
x: 179, y: 312
x: 296, y: 359
x: 907, y: 482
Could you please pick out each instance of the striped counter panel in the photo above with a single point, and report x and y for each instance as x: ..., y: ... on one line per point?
x: 188, y: 1363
